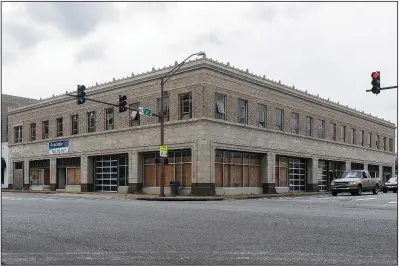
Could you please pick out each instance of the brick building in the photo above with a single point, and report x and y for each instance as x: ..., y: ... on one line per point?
x: 228, y: 131
x: 8, y: 102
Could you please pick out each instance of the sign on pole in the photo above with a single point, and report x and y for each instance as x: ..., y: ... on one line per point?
x: 163, y: 151
x: 143, y: 111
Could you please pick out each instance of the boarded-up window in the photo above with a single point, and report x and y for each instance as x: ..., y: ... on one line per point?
x: 73, y: 176
x: 237, y: 169
x: 178, y: 168
x: 281, y: 171
x: 40, y: 176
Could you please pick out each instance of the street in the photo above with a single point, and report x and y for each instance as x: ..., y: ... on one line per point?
x: 46, y: 229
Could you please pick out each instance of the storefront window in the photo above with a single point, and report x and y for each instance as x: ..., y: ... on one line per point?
x: 237, y: 169
x: 178, y: 168
x: 290, y: 172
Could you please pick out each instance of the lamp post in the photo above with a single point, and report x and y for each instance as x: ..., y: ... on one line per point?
x: 164, y: 79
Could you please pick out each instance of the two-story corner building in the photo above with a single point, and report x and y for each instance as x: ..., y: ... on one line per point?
x: 227, y: 131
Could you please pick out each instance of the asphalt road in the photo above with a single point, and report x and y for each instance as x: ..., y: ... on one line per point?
x: 40, y: 229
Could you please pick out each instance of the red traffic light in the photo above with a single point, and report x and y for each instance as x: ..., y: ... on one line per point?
x: 374, y: 75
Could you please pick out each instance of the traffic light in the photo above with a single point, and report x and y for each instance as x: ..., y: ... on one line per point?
x: 80, y: 94
x: 375, y: 82
x: 122, y: 103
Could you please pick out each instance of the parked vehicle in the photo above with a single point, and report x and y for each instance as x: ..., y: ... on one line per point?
x: 391, y: 185
x: 355, y: 182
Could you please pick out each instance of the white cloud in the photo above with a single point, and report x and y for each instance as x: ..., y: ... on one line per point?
x: 325, y: 48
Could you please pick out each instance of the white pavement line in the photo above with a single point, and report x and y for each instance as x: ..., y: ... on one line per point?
x: 393, y: 202
x: 365, y: 199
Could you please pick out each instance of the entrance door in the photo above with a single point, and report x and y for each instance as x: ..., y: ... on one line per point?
x: 61, y: 182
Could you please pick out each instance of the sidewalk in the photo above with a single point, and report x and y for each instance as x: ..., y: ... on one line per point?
x: 148, y: 197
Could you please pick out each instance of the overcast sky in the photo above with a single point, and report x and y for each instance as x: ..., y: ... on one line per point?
x: 329, y: 49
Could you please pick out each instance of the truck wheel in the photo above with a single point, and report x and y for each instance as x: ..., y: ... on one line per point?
x: 375, y: 190
x: 353, y: 193
x: 334, y: 193
x: 384, y: 190
x: 359, y: 190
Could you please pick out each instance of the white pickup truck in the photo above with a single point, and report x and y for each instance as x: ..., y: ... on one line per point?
x: 355, y: 182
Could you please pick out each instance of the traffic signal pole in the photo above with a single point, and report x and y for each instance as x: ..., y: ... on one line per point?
x: 385, y: 88
x: 162, y: 166
x: 111, y: 104
x: 164, y: 79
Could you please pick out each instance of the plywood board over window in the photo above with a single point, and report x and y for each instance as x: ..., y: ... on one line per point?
x: 37, y: 176
x: 73, y: 176
x: 178, y: 168
x: 237, y: 169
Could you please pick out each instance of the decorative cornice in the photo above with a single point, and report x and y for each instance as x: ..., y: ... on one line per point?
x: 214, y: 65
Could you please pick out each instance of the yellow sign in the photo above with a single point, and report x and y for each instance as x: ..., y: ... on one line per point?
x: 163, y: 151
x: 163, y: 148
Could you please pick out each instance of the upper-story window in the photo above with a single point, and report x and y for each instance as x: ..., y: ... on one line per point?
x: 45, y: 129
x: 262, y: 115
x: 18, y: 134
x: 109, y: 118
x: 60, y: 127
x: 134, y: 119
x: 220, y: 106
x: 308, y: 126
x: 361, y: 137
x: 321, y: 132
x: 343, y: 133
x: 370, y: 140
x: 91, y: 122
x: 333, y: 131
x: 75, y: 124
x: 295, y: 123
x: 384, y: 143
x: 33, y: 131
x: 280, y: 119
x: 242, y: 111
x: 377, y: 142
x: 186, y: 106
x: 353, y: 136
x: 390, y: 144
x: 166, y: 108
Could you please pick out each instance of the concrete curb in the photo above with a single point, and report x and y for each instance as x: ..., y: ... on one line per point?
x: 27, y: 191
x: 178, y: 198
x: 181, y: 198
x: 265, y: 196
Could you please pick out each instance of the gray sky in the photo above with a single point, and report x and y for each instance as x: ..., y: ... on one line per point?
x: 324, y: 48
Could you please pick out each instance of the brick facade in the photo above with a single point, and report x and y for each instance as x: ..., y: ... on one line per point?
x: 203, y: 133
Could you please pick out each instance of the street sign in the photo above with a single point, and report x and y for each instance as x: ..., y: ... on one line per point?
x: 143, y: 111
x: 163, y: 151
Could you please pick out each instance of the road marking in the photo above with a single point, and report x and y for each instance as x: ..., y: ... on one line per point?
x: 366, y: 199
x: 393, y: 202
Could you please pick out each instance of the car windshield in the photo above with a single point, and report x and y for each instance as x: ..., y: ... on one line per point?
x: 352, y: 174
x: 393, y: 179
